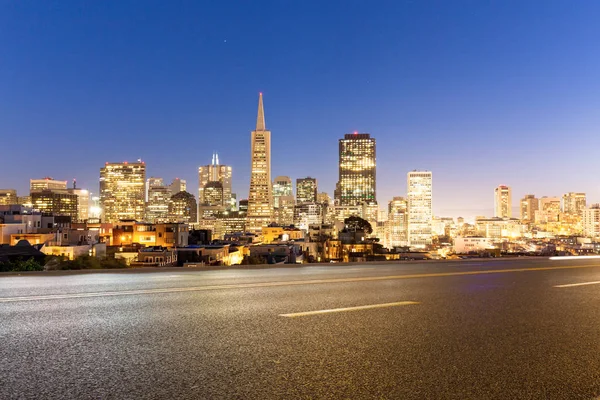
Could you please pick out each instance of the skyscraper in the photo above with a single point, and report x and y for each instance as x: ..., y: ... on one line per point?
x: 282, y: 186
x: 122, y: 191
x: 574, y: 203
x: 178, y: 185
x: 356, y: 184
x: 549, y: 210
x: 502, y: 202
x: 8, y: 196
x: 153, y: 181
x: 46, y: 184
x: 183, y: 208
x: 591, y: 221
x: 56, y: 202
x: 260, y: 199
x: 396, y: 224
x: 215, y: 172
x: 420, y: 210
x: 529, y: 205
x: 306, y: 190
x: 157, y: 206
x: 83, y: 201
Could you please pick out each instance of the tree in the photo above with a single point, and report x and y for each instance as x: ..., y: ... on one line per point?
x: 354, y: 223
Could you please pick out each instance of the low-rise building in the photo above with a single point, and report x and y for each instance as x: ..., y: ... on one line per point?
x: 272, y: 234
x: 225, y: 254
x: 165, y: 235
x: 6, y: 230
x: 33, y: 238
x: 155, y: 256
x: 465, y: 245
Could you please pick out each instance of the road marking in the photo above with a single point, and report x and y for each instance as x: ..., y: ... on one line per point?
x: 285, y: 283
x: 336, y: 310
x: 572, y: 257
x: 578, y: 284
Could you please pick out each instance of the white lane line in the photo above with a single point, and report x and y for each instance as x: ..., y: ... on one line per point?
x: 335, y: 310
x: 572, y: 257
x: 578, y: 284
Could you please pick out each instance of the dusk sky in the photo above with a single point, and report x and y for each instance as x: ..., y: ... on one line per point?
x: 481, y: 93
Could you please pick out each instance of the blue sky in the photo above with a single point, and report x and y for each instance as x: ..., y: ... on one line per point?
x: 480, y: 92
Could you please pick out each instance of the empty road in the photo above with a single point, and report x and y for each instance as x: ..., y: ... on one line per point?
x: 476, y: 329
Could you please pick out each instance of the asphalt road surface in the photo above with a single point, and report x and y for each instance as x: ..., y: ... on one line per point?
x: 498, y: 329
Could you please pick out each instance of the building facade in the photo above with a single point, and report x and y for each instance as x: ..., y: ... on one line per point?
x: 183, y: 208
x: 284, y: 214
x: 46, y: 184
x: 56, y: 202
x: 574, y: 203
x: 591, y: 221
x: 159, y: 197
x: 549, y: 210
x: 178, y: 185
x: 215, y: 172
x: 282, y: 186
x: 396, y: 226
x: 307, y: 214
x: 357, y: 170
x: 528, y: 206
x: 306, y: 190
x: 420, y: 211
x: 502, y: 202
x: 83, y: 202
x: 260, y: 199
x: 8, y: 196
x: 122, y: 191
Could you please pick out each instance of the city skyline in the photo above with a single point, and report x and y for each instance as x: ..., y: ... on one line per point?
x: 432, y: 91
x: 480, y: 209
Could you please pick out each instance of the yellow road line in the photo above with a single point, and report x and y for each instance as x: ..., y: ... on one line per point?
x: 577, y: 284
x: 336, y: 310
x: 285, y: 283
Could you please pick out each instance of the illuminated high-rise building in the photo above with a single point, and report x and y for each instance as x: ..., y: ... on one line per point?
x: 574, y: 203
x: 591, y: 221
x: 213, y: 194
x: 153, y: 181
x: 260, y: 199
x: 25, y: 201
x: 396, y: 226
x: 528, y: 206
x: 46, y: 184
x: 502, y: 202
x: 55, y: 202
x: 183, y: 208
x: 282, y: 186
x: 243, y: 206
x: 8, y: 196
x: 157, y: 205
x: 306, y: 214
x: 215, y: 172
x: 306, y: 190
x: 284, y: 214
x: 122, y: 191
x: 356, y: 184
x: 420, y: 210
x: 178, y: 185
x: 83, y: 201
x: 324, y: 199
x: 549, y: 210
